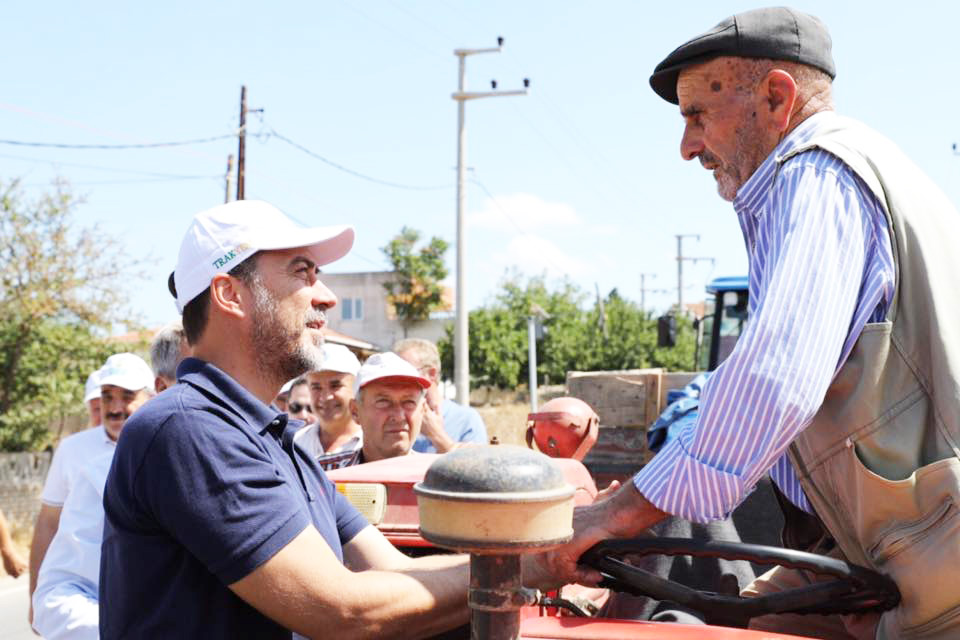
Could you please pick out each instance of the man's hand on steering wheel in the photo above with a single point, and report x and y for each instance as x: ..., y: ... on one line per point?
x: 624, y: 514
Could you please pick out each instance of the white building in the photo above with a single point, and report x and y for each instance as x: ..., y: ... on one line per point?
x: 363, y: 310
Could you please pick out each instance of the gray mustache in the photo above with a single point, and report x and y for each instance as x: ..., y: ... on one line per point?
x: 319, y: 317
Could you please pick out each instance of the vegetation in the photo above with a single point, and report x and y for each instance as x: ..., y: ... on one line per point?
x: 61, y: 292
x: 612, y: 333
x: 416, y: 290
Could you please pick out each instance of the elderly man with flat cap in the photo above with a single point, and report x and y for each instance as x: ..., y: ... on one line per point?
x: 217, y: 525
x: 845, y: 387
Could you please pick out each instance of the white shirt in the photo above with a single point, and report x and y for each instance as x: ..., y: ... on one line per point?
x: 71, y: 455
x: 72, y: 563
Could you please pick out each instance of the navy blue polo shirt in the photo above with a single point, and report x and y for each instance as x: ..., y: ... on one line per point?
x: 206, y: 485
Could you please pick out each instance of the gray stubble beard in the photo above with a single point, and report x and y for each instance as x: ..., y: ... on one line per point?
x: 280, y: 352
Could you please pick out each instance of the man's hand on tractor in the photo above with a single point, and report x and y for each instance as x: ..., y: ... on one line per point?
x: 624, y: 514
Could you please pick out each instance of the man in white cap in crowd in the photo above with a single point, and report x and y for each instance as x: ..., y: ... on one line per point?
x: 91, y: 398
x: 65, y: 602
x: 167, y: 349
x: 447, y: 425
x: 72, y: 452
x: 233, y: 528
x: 335, y: 439
x: 389, y: 405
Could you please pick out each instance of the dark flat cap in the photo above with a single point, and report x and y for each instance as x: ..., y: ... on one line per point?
x: 779, y: 33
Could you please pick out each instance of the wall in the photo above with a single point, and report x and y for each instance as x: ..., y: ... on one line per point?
x: 379, y: 324
x: 21, y: 482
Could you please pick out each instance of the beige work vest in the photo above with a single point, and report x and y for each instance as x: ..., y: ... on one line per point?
x: 880, y: 462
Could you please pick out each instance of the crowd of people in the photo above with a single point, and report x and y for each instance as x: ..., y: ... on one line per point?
x: 212, y: 516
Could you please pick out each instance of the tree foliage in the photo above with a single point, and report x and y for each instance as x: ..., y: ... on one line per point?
x: 609, y: 334
x: 416, y: 289
x: 61, y: 291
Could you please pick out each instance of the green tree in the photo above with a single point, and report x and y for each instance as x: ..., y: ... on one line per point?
x: 61, y: 292
x: 574, y: 339
x: 416, y: 289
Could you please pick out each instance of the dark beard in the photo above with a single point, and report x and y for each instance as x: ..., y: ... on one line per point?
x: 279, y: 353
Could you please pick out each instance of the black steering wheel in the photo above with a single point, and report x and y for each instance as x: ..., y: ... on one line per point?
x: 855, y: 589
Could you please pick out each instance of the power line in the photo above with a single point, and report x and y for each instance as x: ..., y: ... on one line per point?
x: 396, y: 185
x: 58, y: 163
x: 147, y: 145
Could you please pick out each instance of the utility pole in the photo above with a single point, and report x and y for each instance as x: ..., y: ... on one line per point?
x: 537, y: 316
x: 228, y: 179
x: 461, y: 347
x: 242, y: 146
x: 680, y: 259
x: 644, y: 290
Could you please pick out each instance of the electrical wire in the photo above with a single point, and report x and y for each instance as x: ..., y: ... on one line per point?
x: 396, y: 185
x: 78, y: 165
x: 147, y: 145
x: 506, y: 215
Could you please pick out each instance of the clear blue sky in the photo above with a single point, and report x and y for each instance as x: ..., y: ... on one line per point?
x: 583, y: 177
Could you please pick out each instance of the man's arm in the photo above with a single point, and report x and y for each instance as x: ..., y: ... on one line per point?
x: 48, y: 521
x: 305, y: 588
x: 625, y: 514
x: 13, y: 563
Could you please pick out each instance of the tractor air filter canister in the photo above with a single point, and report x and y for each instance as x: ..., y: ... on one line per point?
x: 495, y: 502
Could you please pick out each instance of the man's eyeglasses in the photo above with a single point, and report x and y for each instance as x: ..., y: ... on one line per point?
x: 296, y: 407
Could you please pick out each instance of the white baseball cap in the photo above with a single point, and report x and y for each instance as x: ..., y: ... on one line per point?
x: 381, y: 366
x: 337, y: 357
x: 222, y: 237
x: 128, y: 371
x: 91, y: 389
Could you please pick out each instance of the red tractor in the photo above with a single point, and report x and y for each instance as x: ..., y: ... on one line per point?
x: 498, y: 502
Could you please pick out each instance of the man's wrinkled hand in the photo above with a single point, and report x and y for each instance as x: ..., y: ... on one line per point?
x: 617, y: 512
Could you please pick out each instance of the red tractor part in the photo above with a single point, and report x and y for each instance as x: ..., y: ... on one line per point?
x: 563, y: 428
x: 496, y: 503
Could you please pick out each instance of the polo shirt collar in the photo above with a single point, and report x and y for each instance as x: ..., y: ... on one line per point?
x: 752, y: 194
x: 216, y: 383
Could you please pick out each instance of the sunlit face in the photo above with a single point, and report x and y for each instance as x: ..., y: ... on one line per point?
x: 288, y: 313
x: 117, y: 404
x: 93, y: 410
x: 331, y: 392
x: 720, y: 109
x: 299, y: 405
x: 390, y: 414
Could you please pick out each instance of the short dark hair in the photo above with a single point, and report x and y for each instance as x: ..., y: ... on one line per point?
x: 196, y: 312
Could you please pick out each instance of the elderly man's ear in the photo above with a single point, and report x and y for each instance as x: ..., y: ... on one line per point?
x: 780, y: 93
x: 354, y: 410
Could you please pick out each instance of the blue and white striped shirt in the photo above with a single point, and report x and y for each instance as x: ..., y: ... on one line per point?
x: 821, y: 267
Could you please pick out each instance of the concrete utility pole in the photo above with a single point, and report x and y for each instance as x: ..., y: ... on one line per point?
x: 680, y: 259
x: 537, y: 314
x: 461, y: 346
x: 644, y: 290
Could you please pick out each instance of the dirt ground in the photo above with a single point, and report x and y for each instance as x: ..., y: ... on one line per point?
x: 508, y: 422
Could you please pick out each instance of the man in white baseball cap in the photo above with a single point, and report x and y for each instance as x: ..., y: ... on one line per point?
x: 229, y: 524
x: 388, y: 404
x: 91, y: 398
x: 65, y: 600
x: 335, y: 439
x: 69, y: 457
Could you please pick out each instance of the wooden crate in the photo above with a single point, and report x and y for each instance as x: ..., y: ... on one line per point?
x: 628, y: 398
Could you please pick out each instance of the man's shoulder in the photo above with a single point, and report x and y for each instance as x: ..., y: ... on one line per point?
x: 179, y: 412
x: 82, y: 443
